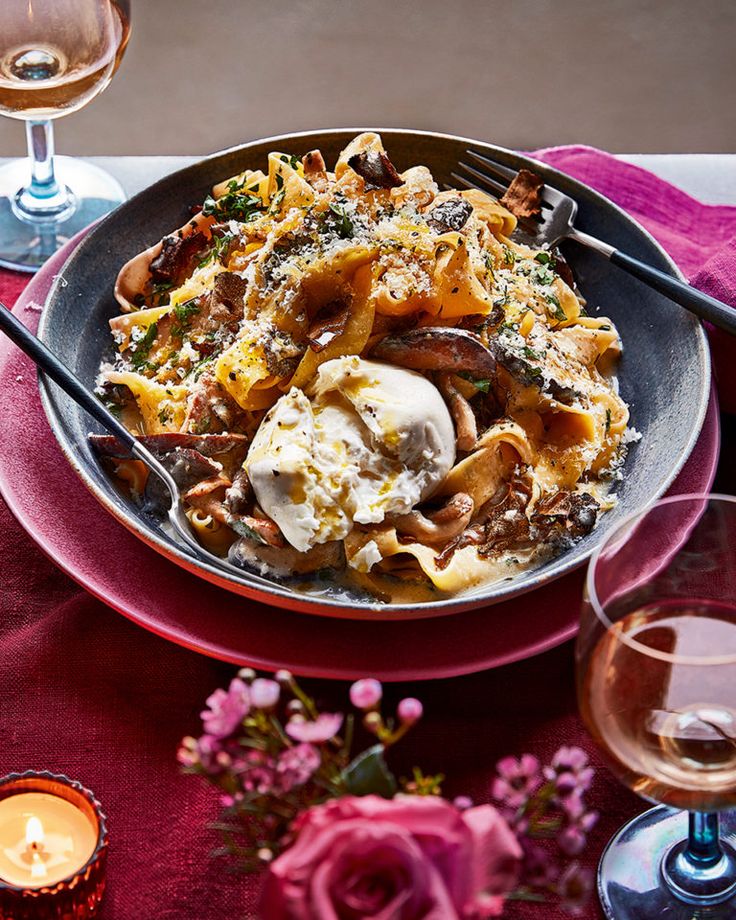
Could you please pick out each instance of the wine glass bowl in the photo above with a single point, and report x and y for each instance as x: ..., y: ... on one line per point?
x: 55, y: 56
x: 656, y: 677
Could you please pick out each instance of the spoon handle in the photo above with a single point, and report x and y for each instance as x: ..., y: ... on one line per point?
x: 47, y: 361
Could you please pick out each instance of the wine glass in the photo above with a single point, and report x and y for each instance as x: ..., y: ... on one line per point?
x: 55, y: 56
x: 656, y: 676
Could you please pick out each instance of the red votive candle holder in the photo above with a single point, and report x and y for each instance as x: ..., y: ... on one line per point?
x: 53, y: 848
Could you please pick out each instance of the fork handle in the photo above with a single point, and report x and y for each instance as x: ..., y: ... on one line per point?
x: 702, y: 305
x: 47, y: 362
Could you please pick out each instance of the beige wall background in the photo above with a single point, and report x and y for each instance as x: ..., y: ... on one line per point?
x: 626, y: 75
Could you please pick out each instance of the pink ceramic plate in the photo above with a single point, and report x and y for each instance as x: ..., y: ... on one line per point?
x: 93, y: 548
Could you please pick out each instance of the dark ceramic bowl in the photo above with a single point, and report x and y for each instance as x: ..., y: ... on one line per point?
x: 664, y: 373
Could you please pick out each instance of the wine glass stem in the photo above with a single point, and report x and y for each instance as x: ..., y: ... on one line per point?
x: 703, y: 845
x: 43, y: 199
x: 702, y: 869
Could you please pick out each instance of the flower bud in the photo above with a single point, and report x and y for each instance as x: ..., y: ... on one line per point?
x: 264, y: 693
x: 462, y: 802
x: 294, y: 707
x: 247, y: 674
x: 366, y: 694
x: 223, y: 759
x: 285, y: 678
x: 372, y: 721
x: 410, y: 710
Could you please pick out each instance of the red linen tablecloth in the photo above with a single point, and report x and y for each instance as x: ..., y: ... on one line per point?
x: 88, y: 693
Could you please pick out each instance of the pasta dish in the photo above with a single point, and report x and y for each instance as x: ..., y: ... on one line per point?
x: 359, y: 380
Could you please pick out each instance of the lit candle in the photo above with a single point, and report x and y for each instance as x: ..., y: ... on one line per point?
x: 43, y: 839
x: 53, y: 844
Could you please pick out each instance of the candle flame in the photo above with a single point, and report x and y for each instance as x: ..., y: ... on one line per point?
x: 34, y: 831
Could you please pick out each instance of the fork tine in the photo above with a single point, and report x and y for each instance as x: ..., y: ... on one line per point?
x: 466, y: 183
x: 526, y: 223
x: 496, y: 187
x: 501, y: 172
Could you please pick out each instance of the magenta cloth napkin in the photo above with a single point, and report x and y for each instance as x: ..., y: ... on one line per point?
x: 87, y: 692
x: 701, y: 238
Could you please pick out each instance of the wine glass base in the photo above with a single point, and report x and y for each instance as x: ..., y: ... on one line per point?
x: 25, y: 245
x: 630, y: 882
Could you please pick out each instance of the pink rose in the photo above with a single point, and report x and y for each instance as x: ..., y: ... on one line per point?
x: 409, y: 858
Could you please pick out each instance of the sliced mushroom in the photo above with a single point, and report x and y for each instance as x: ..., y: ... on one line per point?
x: 286, y: 562
x: 188, y: 468
x: 466, y: 428
x: 261, y: 531
x: 376, y: 169
x: 565, y: 517
x: 513, y: 354
x: 239, y: 494
x: 208, y: 497
x: 176, y: 256
x: 315, y: 170
x: 329, y: 322
x: 209, y: 445
x: 133, y: 279
x: 451, y: 214
x: 523, y: 197
x: 437, y: 526
x: 438, y: 348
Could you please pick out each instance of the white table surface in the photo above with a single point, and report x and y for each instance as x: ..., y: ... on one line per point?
x: 710, y: 177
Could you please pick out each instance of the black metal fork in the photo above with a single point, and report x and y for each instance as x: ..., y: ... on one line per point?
x: 557, y: 222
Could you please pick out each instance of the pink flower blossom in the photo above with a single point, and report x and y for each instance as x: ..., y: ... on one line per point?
x: 227, y: 709
x: 569, y: 771
x: 324, y: 727
x: 574, y: 887
x: 413, y: 857
x: 516, y: 780
x: 297, y: 765
x: 256, y: 771
x: 410, y: 710
x: 264, y: 693
x: 366, y: 694
x: 572, y: 838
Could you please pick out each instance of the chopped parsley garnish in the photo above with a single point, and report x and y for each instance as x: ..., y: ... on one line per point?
x: 244, y: 530
x: 139, y: 357
x: 503, y: 300
x: 509, y: 256
x: 608, y: 420
x: 279, y: 181
x: 558, y: 313
x: 183, y: 314
x: 219, y: 247
x: 344, y: 225
x: 277, y: 198
x: 542, y: 275
x: 292, y: 160
x: 530, y: 353
x: 235, y: 204
x: 160, y: 293
x: 544, y: 258
x: 201, y: 367
x: 490, y: 265
x: 165, y: 415
x: 480, y: 384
